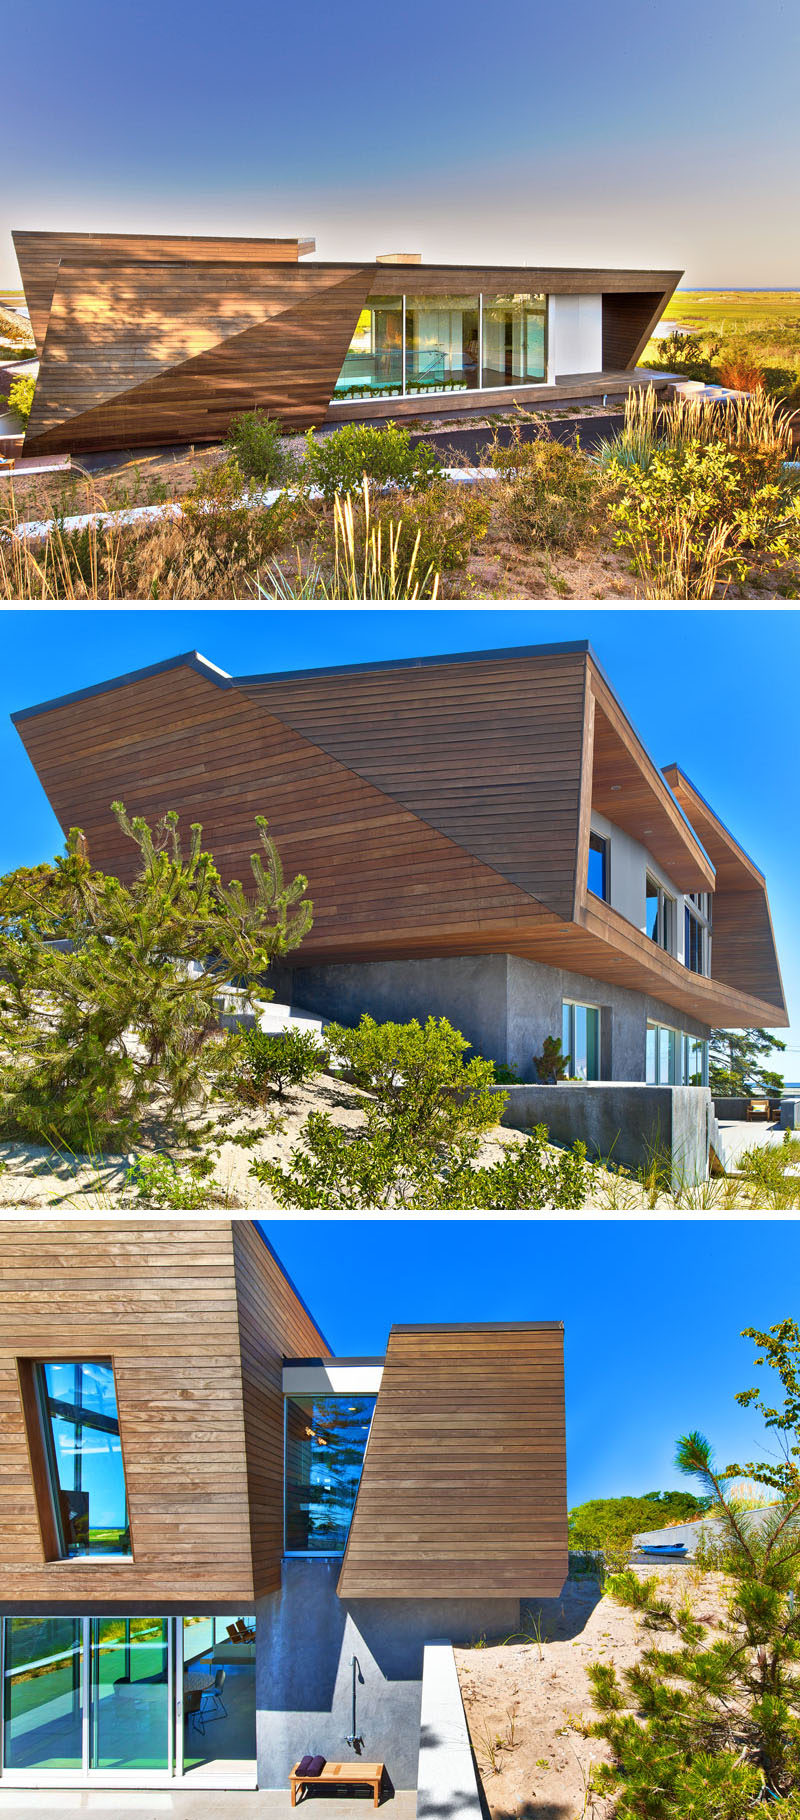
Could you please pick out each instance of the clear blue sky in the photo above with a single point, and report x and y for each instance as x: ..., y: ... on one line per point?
x: 652, y: 1312
x: 715, y: 690
x: 630, y: 134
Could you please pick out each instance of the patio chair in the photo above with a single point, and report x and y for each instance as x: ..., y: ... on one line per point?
x: 245, y: 1634
x: 192, y: 1709
x: 216, y: 1708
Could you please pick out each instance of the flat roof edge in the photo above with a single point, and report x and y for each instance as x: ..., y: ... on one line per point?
x: 188, y: 660
x: 475, y: 1326
x: 569, y: 647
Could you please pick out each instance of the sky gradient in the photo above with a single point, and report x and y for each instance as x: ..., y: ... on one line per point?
x: 575, y: 134
x: 714, y: 689
x: 652, y: 1312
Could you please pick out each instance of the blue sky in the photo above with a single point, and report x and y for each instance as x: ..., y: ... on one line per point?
x: 652, y: 1312
x: 715, y: 690
x: 632, y: 134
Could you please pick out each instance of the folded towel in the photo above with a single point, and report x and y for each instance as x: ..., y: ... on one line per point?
x: 316, y: 1766
x: 304, y: 1766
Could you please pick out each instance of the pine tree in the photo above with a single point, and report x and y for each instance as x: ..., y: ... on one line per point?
x: 108, y: 991
x: 710, y: 1730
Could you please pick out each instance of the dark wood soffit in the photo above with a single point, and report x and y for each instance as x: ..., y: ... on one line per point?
x: 643, y: 801
x: 734, y: 867
x: 569, y: 280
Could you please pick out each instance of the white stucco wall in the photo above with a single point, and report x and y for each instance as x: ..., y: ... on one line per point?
x: 575, y: 334
x: 629, y: 864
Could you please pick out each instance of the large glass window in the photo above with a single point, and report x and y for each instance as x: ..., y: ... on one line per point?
x: 325, y: 1442
x: 130, y: 1694
x: 659, y: 915
x: 580, y: 1040
x: 514, y: 340
x: 373, y: 365
x: 697, y: 932
x: 597, y: 875
x: 442, y: 344
x: 675, y: 1059
x: 42, y: 1704
x: 82, y: 1442
x: 219, y: 1691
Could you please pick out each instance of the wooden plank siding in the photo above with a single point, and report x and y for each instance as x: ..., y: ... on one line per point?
x: 463, y: 1488
x: 147, y: 339
x: 436, y: 809
x: 488, y: 753
x: 39, y: 257
x: 196, y: 1317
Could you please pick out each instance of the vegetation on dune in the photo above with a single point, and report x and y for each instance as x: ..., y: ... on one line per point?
x: 108, y: 991
x: 734, y: 339
x: 736, y: 1063
x: 710, y: 1727
x: 606, y: 1526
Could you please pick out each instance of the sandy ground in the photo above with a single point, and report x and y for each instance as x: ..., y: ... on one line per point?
x: 34, y: 1175
x: 543, y: 1765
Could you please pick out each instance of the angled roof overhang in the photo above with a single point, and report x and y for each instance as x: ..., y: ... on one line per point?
x: 439, y: 806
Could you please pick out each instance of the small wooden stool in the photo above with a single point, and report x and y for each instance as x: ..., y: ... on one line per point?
x: 340, y: 1775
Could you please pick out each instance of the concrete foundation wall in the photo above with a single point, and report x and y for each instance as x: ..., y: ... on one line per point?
x: 306, y: 1638
x: 627, y: 1122
x: 505, y: 1006
x: 447, y: 1784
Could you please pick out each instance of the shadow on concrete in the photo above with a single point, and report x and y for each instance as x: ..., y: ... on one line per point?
x: 565, y: 1616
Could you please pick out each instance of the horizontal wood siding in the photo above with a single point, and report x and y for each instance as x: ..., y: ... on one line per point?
x: 135, y: 355
x: 272, y: 1324
x: 381, y: 880
x: 629, y: 318
x: 436, y: 810
x: 163, y: 338
x: 39, y: 257
x: 487, y: 752
x: 463, y: 1490
x: 195, y: 1319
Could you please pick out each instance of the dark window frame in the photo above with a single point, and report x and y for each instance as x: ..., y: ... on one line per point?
x: 600, y: 843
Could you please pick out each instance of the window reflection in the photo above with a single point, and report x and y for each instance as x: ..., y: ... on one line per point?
x: 82, y: 1440
x: 325, y: 1442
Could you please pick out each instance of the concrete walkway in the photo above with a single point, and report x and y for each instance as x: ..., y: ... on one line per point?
x: 739, y: 1135
x: 200, y: 1804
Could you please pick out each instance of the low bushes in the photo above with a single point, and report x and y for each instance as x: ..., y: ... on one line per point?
x: 704, y: 501
x: 20, y: 397
x: 551, y: 493
x: 257, y: 1065
x: 255, y: 442
x: 338, y: 463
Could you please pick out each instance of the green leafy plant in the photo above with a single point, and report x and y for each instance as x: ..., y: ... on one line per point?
x: 256, y: 443
x: 158, y: 1181
x: 552, y: 1065
x: 337, y: 463
x: 256, y: 1065
x: 20, y: 397
x: 108, y: 991
x: 736, y: 1062
x: 607, y: 1526
x: 711, y: 1728
x: 550, y: 496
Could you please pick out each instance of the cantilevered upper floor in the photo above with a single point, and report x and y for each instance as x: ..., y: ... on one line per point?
x: 483, y: 803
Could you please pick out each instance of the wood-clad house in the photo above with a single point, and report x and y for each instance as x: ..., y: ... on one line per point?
x: 203, y: 1513
x: 152, y: 339
x: 485, y: 836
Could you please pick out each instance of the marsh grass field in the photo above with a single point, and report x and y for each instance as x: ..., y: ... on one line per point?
x: 762, y: 326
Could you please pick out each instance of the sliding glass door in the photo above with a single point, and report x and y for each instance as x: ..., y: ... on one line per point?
x: 142, y: 1701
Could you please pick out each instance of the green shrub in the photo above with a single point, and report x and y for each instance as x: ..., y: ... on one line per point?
x: 20, y: 397
x: 224, y: 532
x: 160, y: 1182
x: 338, y: 462
x: 425, y: 1116
x: 693, y: 497
x: 257, y: 1064
x: 117, y: 1026
x: 441, y: 524
x: 550, y: 497
x: 254, y: 440
x: 552, y: 1065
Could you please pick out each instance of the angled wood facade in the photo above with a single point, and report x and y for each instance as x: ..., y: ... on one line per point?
x: 437, y: 808
x: 463, y: 1488
x: 196, y: 1317
x: 148, y: 339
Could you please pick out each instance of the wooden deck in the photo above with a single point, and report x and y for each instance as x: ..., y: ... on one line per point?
x: 568, y: 386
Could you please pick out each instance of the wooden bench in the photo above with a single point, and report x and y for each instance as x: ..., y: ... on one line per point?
x: 340, y: 1775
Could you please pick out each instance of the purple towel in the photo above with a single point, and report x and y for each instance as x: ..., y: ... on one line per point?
x: 304, y: 1766
x: 316, y: 1766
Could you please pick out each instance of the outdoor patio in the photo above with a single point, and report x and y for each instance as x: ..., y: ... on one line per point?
x: 195, y: 1804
